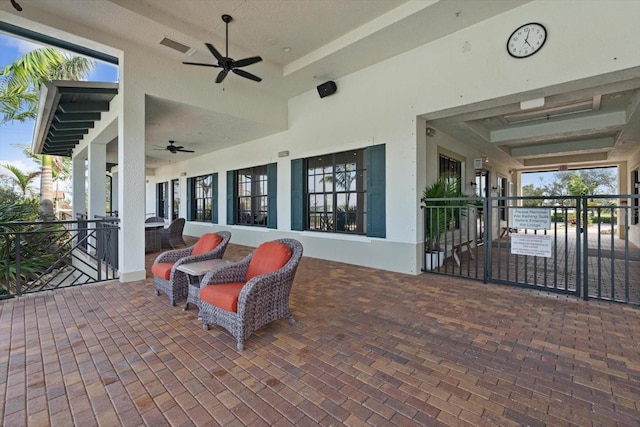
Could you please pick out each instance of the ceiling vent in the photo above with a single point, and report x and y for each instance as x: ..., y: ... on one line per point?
x: 553, y: 112
x: 175, y: 45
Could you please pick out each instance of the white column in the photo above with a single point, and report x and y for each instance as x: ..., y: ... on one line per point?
x: 78, y: 185
x: 131, y: 169
x: 97, y: 179
x: 114, y: 189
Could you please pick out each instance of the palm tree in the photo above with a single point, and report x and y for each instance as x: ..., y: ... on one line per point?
x: 21, y: 81
x: 16, y: 104
x: 21, y: 179
x: 60, y: 166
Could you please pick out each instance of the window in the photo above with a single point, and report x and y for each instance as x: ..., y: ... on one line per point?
x: 336, y: 193
x: 635, y: 182
x: 162, y: 200
x: 340, y: 192
x: 252, y: 193
x: 202, y: 197
x: 175, y: 198
x: 502, y: 192
x: 450, y: 167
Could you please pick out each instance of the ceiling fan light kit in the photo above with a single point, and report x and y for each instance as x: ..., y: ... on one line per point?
x: 227, y: 63
x: 173, y: 149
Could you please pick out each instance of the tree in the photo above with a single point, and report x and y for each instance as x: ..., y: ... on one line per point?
x: 21, y: 179
x: 21, y: 81
x: 16, y: 104
x: 533, y: 191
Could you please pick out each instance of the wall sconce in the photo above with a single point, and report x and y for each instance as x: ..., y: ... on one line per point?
x: 430, y: 132
x: 183, y: 174
x: 494, y: 188
x: 473, y: 184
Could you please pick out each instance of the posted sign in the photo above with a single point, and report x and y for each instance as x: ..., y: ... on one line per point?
x: 531, y: 244
x: 531, y: 218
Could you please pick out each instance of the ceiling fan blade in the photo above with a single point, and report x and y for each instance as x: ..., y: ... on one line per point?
x: 214, y: 51
x: 175, y: 147
x: 247, y: 61
x: 185, y: 151
x: 247, y: 75
x: 222, y: 75
x: 200, y: 64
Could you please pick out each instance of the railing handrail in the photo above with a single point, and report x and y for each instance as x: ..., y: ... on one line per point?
x: 7, y: 224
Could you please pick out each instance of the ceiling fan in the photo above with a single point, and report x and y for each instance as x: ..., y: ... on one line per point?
x: 173, y: 149
x: 225, y: 62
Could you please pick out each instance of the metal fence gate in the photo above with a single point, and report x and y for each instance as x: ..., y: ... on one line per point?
x: 578, y: 251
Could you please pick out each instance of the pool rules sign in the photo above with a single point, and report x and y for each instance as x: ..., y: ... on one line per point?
x: 531, y: 244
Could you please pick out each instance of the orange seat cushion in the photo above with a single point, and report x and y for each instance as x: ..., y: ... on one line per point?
x: 207, y: 243
x: 224, y: 295
x: 268, y: 257
x: 162, y: 269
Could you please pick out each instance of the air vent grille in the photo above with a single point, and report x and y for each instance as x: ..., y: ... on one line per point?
x: 175, y: 45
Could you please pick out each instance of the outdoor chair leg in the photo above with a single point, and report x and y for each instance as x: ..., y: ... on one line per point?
x: 186, y: 306
x: 205, y: 326
x: 292, y: 321
x: 157, y: 293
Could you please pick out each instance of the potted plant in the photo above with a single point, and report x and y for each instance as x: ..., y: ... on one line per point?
x: 441, y: 210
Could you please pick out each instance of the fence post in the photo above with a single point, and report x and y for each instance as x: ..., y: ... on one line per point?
x: 487, y: 207
x: 18, y: 270
x: 582, y: 214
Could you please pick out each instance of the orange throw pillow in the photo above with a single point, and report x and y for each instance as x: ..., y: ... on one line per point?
x: 224, y: 295
x: 162, y: 269
x: 206, y: 243
x: 268, y: 257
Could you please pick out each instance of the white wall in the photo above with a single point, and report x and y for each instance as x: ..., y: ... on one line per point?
x: 380, y: 105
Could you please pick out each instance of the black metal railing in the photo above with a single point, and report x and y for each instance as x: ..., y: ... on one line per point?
x: 40, y: 256
x: 575, y: 245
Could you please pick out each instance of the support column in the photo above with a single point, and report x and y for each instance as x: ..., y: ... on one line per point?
x: 131, y: 170
x: 78, y: 202
x: 97, y: 179
x: 114, y: 189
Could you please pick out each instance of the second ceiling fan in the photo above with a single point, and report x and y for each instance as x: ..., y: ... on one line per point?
x: 225, y: 62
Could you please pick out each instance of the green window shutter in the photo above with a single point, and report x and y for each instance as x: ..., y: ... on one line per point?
x: 189, y: 199
x: 272, y: 195
x: 297, y: 194
x: 231, y: 197
x: 376, y: 204
x: 214, y: 198
x: 158, y: 200
x: 165, y: 190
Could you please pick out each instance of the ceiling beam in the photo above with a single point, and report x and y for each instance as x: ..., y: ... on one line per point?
x: 600, y: 122
x: 559, y: 160
x: 75, y: 132
x: 68, y: 126
x: 76, y: 117
x: 84, y: 107
x: 562, y: 147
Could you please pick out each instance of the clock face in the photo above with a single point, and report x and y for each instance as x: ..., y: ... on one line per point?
x: 526, y: 40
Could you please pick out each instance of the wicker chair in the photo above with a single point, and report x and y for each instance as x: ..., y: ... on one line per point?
x: 172, y: 235
x: 154, y: 219
x: 247, y: 295
x: 175, y: 283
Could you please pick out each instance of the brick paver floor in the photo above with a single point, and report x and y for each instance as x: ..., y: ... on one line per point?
x: 370, y: 347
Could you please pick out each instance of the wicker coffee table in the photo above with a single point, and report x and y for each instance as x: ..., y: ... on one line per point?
x: 195, y: 271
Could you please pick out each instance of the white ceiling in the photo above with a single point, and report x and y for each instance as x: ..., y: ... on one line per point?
x: 329, y: 39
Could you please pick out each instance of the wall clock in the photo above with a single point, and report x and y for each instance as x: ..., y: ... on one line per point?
x: 526, y: 40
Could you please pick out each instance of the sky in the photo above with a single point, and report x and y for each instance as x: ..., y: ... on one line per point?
x: 16, y: 133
